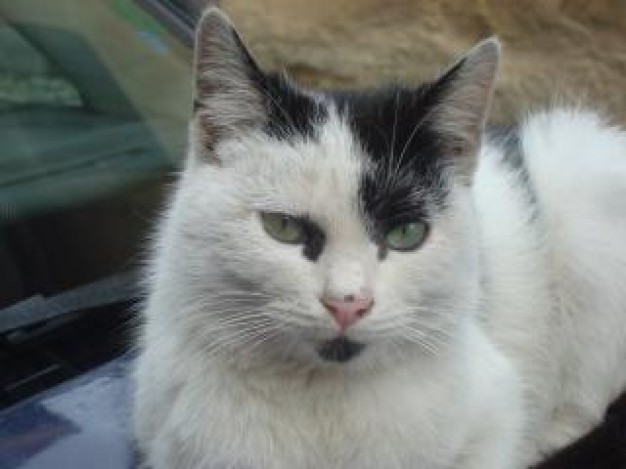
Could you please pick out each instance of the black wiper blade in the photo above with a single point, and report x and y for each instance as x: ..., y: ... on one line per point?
x: 38, y: 308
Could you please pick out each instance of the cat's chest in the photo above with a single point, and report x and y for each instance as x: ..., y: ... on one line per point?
x: 390, y: 424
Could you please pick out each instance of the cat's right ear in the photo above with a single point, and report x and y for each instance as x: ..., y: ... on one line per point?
x: 227, y: 85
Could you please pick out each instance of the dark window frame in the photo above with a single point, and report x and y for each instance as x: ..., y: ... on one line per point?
x: 178, y: 20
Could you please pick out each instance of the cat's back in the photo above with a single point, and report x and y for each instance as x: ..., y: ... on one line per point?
x: 551, y: 198
x: 571, y: 167
x: 576, y: 161
x: 556, y: 185
x: 577, y: 168
x: 562, y: 175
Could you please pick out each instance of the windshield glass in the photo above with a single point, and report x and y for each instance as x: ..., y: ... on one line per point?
x: 94, y: 98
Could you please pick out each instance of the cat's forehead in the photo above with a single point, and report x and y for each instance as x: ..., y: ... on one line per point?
x: 331, y: 155
x: 383, y: 138
x: 317, y: 176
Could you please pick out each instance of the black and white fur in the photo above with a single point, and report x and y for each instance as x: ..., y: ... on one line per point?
x: 499, y: 340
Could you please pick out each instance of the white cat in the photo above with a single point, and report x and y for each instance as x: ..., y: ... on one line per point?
x: 368, y: 280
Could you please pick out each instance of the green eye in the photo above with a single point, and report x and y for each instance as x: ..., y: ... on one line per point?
x: 282, y: 227
x: 407, y: 236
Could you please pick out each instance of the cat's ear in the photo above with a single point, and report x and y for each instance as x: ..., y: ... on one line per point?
x: 227, y: 83
x: 463, y: 95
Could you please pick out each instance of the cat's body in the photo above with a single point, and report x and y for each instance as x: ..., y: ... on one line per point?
x: 553, y: 244
x: 497, y: 337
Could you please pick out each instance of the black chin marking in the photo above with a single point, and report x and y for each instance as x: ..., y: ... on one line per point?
x: 340, y: 350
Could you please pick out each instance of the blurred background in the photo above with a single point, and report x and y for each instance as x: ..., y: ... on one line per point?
x: 94, y: 101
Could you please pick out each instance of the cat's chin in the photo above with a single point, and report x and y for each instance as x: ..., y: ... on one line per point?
x: 340, y: 349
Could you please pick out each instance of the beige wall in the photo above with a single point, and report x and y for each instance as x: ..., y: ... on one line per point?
x: 575, y: 49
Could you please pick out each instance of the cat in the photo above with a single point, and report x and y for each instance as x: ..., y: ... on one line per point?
x: 602, y: 448
x: 370, y: 279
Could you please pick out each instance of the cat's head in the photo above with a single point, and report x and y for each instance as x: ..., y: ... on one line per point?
x: 326, y: 228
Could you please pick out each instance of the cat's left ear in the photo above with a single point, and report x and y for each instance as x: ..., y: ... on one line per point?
x: 228, y: 97
x: 462, y: 96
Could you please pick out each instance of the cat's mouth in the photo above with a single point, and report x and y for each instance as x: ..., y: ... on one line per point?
x: 340, y: 349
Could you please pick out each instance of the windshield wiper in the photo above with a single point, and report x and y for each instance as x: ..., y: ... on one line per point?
x: 39, y: 308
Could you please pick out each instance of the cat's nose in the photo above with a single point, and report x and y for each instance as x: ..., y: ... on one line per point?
x: 348, y: 310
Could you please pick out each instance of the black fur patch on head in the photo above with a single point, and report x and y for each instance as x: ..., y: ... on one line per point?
x: 406, y: 178
x: 291, y: 112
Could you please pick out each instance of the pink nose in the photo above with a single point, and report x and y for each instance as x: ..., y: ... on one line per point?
x: 348, y: 311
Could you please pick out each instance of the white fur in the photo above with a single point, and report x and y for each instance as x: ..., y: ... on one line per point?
x: 502, y: 338
x: 557, y: 302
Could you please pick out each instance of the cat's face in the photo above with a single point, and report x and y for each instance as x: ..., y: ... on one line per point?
x: 323, y: 228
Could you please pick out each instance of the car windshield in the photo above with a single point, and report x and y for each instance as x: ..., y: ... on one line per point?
x: 94, y: 98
